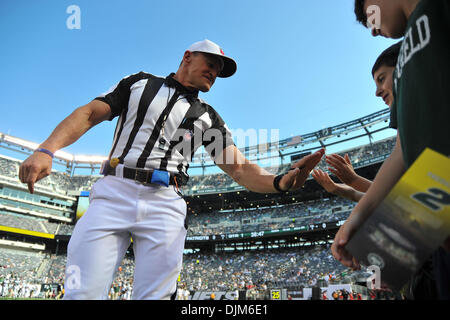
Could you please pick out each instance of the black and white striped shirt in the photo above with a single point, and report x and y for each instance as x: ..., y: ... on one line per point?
x: 161, y: 123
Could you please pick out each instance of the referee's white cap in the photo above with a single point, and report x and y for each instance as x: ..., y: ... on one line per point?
x: 207, y: 46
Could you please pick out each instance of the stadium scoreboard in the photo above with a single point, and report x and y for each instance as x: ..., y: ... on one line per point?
x: 266, y: 233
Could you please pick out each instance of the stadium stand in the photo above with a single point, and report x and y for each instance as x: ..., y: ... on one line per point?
x: 259, y: 270
x: 21, y: 263
x: 262, y: 270
x: 269, y: 218
x: 360, y: 157
x: 27, y: 223
x: 51, y: 210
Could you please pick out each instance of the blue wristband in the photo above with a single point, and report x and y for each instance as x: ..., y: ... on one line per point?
x: 45, y: 151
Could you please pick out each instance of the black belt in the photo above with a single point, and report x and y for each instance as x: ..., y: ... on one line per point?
x: 145, y: 176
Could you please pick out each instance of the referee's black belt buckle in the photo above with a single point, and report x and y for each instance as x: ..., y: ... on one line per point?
x: 163, y: 178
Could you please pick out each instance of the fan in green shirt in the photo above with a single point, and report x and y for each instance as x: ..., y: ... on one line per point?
x: 420, y: 110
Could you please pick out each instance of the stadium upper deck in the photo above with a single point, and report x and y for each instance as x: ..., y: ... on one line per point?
x: 64, y: 186
x: 272, y: 154
x: 54, y: 202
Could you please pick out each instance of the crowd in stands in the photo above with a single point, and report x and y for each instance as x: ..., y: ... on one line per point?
x: 8, y: 167
x: 22, y: 272
x: 381, y: 294
x: 376, y: 151
x: 287, y: 216
x: 65, y: 229
x: 57, y: 182
x: 27, y: 222
x: 370, y: 152
x: 61, y: 182
x: 262, y: 270
x: 24, y: 263
x: 221, y: 271
x: 254, y: 220
x: 19, y: 273
x: 199, y: 224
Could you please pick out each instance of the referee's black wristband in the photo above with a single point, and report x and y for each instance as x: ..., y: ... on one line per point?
x: 276, y: 182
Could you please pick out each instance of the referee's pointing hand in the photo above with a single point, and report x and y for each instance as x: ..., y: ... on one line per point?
x: 34, y: 168
x: 300, y: 171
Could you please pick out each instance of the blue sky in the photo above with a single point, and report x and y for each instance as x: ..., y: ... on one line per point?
x: 302, y: 65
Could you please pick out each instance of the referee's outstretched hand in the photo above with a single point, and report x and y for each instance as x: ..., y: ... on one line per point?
x: 296, y: 178
x: 34, y: 168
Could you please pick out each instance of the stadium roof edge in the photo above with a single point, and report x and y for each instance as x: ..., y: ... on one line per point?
x: 62, y: 155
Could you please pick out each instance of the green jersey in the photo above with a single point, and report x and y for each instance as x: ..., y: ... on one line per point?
x: 421, y: 109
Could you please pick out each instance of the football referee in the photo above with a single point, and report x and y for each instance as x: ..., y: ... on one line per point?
x: 161, y: 122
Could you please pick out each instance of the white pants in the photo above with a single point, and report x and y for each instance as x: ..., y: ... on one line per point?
x: 154, y: 216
